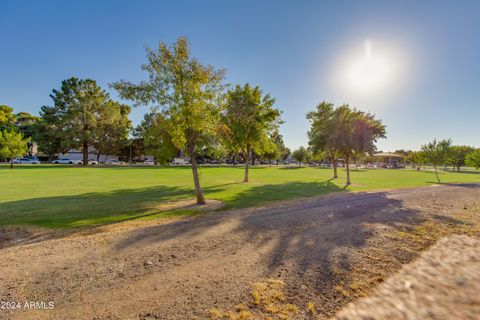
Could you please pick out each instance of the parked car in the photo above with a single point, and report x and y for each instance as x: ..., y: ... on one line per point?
x: 25, y: 160
x: 66, y: 161
x: 90, y: 162
x: 114, y: 162
x: 180, y: 161
x: 149, y: 162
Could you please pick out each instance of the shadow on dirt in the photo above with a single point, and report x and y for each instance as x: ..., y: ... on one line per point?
x: 313, y: 237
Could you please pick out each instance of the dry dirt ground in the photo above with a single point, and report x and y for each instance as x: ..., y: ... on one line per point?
x: 327, y: 250
x: 442, y: 284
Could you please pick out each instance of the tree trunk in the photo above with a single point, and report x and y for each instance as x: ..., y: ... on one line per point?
x: 196, y: 181
x: 458, y: 169
x: 347, y: 164
x: 11, y: 163
x: 98, y: 157
x: 436, y: 173
x: 335, y: 172
x: 85, y: 154
x: 247, y: 160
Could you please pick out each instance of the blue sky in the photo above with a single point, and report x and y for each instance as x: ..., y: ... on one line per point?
x: 291, y: 49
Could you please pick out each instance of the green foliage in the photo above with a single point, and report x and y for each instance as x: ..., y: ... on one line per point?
x: 436, y: 153
x: 12, y: 144
x: 322, y: 126
x: 473, y: 159
x: 251, y: 123
x: 184, y: 89
x: 25, y: 122
x: 82, y: 116
x: 416, y: 158
x: 278, y: 150
x: 7, y: 117
x: 112, y: 129
x: 187, y: 94
x: 47, y: 132
x: 301, y: 155
x: 343, y: 130
x: 157, y: 139
x: 457, y: 155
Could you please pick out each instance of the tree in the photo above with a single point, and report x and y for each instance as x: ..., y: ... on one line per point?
x: 82, y: 116
x: 355, y: 132
x: 25, y: 123
x: 473, y: 159
x: 187, y: 93
x: 436, y: 153
x: 416, y: 158
x: 250, y: 119
x: 301, y: 155
x: 157, y: 138
x: 48, y: 132
x: 457, y: 156
x: 277, y: 150
x: 321, y: 133
x: 285, y: 154
x: 112, y: 128
x: 12, y: 145
x: 7, y: 117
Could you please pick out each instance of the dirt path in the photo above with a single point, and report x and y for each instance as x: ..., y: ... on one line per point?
x: 328, y: 250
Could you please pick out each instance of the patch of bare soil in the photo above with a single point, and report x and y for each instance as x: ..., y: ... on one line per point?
x: 326, y: 251
x: 444, y: 283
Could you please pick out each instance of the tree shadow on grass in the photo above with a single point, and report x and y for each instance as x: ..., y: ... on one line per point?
x: 258, y: 195
x: 74, y: 213
x: 77, y: 212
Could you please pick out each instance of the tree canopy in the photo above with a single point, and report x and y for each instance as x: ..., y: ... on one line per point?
x: 343, y: 131
x: 473, y: 159
x: 82, y: 115
x: 12, y: 145
x: 251, y: 122
x: 186, y: 92
x: 436, y: 153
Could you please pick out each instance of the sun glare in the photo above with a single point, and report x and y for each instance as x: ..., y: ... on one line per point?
x: 368, y: 72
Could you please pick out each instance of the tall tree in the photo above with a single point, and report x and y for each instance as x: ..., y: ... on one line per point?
x: 250, y: 118
x: 187, y: 93
x: 84, y: 115
x: 354, y: 131
x: 457, y: 156
x: 473, y: 159
x: 113, y: 126
x: 436, y: 153
x: 48, y: 133
x: 321, y: 133
x: 12, y: 145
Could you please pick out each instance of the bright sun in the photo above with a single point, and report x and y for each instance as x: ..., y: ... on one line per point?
x: 369, y: 72
x: 372, y: 71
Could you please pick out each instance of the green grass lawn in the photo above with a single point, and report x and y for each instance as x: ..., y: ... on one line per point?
x: 57, y: 196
